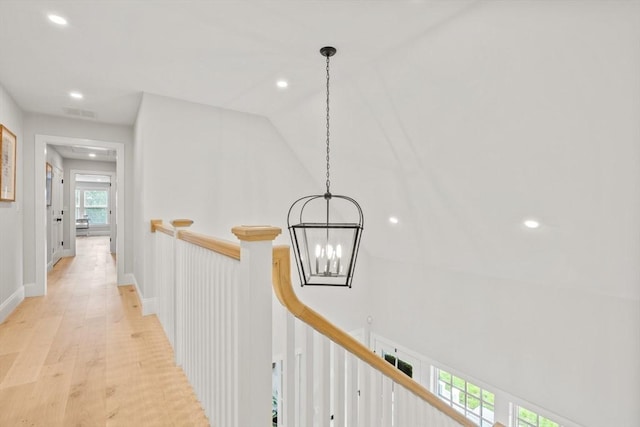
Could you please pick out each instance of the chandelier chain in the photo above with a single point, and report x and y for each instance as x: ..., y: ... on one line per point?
x: 328, y: 133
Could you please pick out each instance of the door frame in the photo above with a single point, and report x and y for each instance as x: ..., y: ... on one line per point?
x: 72, y: 190
x: 58, y: 193
x: 40, y: 210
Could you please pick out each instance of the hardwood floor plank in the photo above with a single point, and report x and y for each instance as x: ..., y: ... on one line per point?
x: 84, y: 356
x: 27, y: 366
x: 50, y: 394
x: 14, y: 402
x: 6, y: 362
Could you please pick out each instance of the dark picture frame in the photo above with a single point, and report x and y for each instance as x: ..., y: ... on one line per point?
x: 49, y: 177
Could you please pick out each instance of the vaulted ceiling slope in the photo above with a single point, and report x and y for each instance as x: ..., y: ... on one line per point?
x: 507, y: 111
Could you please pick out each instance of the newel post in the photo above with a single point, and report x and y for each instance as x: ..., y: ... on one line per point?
x: 253, y: 352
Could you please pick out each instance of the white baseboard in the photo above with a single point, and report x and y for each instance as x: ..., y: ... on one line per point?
x: 129, y: 279
x: 30, y: 290
x: 94, y: 233
x: 67, y: 253
x: 149, y: 305
x: 7, y: 307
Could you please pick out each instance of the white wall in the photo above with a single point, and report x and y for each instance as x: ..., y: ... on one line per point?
x: 11, y: 215
x: 220, y: 168
x: 39, y: 124
x: 508, y: 110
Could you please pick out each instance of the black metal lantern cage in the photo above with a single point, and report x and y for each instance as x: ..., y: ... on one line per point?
x: 325, y: 251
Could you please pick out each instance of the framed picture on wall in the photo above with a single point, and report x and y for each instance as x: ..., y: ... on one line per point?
x: 8, y: 148
x: 49, y: 175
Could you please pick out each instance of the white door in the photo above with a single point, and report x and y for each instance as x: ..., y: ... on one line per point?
x: 56, y: 220
x: 112, y: 214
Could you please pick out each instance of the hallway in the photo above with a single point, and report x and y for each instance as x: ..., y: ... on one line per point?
x: 84, y: 356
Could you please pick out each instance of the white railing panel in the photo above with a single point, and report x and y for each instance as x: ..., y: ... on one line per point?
x: 165, y: 284
x: 207, y: 328
x: 333, y: 388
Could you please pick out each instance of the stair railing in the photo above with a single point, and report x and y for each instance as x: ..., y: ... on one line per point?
x: 214, y: 302
x: 349, y: 385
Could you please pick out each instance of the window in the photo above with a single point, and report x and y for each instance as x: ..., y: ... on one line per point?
x: 400, y: 364
x: 93, y: 203
x: 526, y: 418
x: 469, y: 399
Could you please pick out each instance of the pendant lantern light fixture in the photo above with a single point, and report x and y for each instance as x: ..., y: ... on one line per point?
x: 326, y: 250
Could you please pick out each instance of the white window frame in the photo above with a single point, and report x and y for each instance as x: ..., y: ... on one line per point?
x: 465, y: 410
x: 82, y: 187
x: 515, y: 416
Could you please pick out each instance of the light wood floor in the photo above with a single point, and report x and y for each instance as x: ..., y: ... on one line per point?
x: 84, y: 356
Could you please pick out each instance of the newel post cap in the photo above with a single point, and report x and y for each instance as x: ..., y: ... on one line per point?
x: 181, y: 223
x: 255, y: 233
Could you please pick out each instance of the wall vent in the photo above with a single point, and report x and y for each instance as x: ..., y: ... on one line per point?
x: 78, y: 112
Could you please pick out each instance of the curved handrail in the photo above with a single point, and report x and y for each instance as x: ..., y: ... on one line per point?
x: 284, y: 291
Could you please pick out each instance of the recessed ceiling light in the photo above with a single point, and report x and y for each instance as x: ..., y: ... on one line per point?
x: 76, y: 95
x: 282, y: 84
x: 393, y: 220
x: 531, y: 223
x: 92, y: 154
x: 57, y: 19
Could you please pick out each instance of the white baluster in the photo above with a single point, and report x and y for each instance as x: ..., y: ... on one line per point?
x: 352, y: 390
x: 386, y: 401
x: 324, y: 377
x: 376, y: 394
x: 338, y: 386
x: 307, y: 378
x: 289, y: 371
x: 365, y: 401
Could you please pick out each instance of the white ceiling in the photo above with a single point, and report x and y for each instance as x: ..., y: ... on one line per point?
x: 462, y: 118
x: 86, y: 153
x: 221, y: 53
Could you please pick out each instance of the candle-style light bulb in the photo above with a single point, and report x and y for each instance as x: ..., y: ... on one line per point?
x: 317, y: 256
x: 339, y: 255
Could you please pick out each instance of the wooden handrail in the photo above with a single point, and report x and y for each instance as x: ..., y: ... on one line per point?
x: 223, y: 247
x: 284, y: 291
x: 158, y: 225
